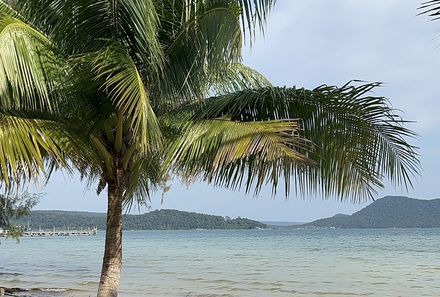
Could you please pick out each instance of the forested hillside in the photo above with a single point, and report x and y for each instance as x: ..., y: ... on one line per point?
x: 165, y: 219
x: 389, y: 212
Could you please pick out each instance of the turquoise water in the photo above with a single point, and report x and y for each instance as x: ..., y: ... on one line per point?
x: 299, y: 262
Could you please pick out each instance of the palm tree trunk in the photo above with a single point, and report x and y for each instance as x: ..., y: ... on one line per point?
x: 112, y: 263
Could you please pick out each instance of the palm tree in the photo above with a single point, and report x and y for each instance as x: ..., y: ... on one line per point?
x: 134, y: 93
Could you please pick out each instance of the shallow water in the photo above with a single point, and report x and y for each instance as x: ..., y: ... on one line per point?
x: 249, y: 263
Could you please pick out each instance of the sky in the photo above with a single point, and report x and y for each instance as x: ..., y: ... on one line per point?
x: 308, y: 43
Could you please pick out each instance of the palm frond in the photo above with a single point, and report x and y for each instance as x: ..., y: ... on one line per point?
x: 5, y: 8
x: 225, y: 152
x: 139, y: 25
x: 124, y: 85
x: 431, y: 8
x: 25, y: 145
x: 237, y: 77
x: 254, y: 13
x: 76, y: 26
x: 196, y: 46
x: 146, y: 176
x: 30, y: 72
x: 40, y: 14
x: 201, y: 40
x: 358, y: 140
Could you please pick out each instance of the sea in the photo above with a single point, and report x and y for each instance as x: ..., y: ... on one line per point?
x: 248, y: 263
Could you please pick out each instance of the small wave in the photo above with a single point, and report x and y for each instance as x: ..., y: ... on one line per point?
x: 33, y: 292
x: 52, y: 289
x: 208, y: 295
x: 88, y: 283
x: 334, y: 294
x: 10, y: 273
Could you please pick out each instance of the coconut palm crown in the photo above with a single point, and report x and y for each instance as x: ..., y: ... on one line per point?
x: 133, y: 93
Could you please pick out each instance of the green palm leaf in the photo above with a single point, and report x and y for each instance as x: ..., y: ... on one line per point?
x: 431, y: 8
x: 30, y: 72
x: 357, y: 139
x: 27, y: 144
x: 224, y: 151
x: 254, y: 14
x: 236, y: 77
x: 124, y: 85
x: 200, y: 39
x: 138, y: 22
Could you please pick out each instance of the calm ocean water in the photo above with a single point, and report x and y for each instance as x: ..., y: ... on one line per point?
x: 299, y: 262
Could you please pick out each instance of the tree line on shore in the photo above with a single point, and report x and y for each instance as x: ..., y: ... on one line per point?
x: 165, y: 219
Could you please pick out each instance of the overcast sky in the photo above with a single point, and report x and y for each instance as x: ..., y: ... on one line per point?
x: 309, y: 43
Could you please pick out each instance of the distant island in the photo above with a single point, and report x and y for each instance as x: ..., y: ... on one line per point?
x: 388, y: 212
x: 165, y: 219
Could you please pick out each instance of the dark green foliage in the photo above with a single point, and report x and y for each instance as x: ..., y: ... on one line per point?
x: 329, y: 151
x: 62, y: 219
x: 389, y: 212
x: 166, y: 219
x: 15, y: 206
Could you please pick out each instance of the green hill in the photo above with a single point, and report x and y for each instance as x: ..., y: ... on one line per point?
x: 389, y: 212
x: 165, y: 219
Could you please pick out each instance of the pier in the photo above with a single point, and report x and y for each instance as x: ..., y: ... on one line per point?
x: 55, y: 232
